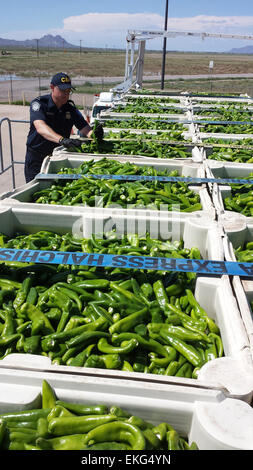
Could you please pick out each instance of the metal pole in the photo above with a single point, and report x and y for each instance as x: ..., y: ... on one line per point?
x: 164, y: 44
x: 11, y: 89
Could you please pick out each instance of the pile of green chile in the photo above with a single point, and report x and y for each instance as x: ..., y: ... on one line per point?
x: 149, y: 106
x: 91, y: 192
x: 244, y: 253
x: 241, y: 199
x: 227, y: 128
x: 127, y: 134
x: 108, y: 166
x: 220, y: 103
x: 232, y: 155
x: 63, y: 425
x: 141, y: 122
x: 243, y: 142
x: 146, y: 108
x: 153, y: 148
x: 126, y: 319
x: 232, y: 113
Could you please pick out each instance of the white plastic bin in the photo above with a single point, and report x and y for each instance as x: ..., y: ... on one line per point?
x: 213, y: 293
x: 203, y: 416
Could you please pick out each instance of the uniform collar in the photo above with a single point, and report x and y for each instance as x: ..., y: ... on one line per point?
x: 51, y: 104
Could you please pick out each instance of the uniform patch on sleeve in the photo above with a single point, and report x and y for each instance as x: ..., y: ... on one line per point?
x: 36, y: 106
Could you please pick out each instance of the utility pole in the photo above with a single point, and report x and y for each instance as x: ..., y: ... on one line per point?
x: 37, y: 48
x: 80, y: 47
x: 164, y: 44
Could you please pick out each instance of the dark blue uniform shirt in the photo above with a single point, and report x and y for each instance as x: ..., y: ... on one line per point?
x: 60, y: 120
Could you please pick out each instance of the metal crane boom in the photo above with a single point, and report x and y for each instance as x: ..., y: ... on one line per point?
x: 140, y: 37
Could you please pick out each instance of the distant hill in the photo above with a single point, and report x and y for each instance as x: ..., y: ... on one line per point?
x: 46, y: 41
x: 242, y: 50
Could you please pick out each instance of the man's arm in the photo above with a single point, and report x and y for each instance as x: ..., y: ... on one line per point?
x: 86, y: 131
x: 89, y: 132
x: 45, y: 131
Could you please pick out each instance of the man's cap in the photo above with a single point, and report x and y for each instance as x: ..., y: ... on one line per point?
x: 62, y: 80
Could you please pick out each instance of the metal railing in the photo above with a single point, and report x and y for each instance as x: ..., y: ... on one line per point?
x: 13, y: 162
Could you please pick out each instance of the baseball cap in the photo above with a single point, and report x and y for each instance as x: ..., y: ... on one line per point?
x: 62, y: 80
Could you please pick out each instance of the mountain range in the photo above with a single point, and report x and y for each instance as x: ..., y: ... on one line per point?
x: 242, y: 50
x: 55, y: 42
x: 46, y: 41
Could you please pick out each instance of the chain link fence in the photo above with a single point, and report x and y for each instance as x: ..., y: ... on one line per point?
x: 23, y: 90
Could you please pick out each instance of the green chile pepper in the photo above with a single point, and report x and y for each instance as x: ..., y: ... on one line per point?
x: 109, y: 445
x: 48, y: 395
x: 105, y: 347
x: 84, y: 409
x: 78, y: 424
x: 201, y: 312
x: 68, y: 442
x: 128, y: 433
x: 3, y: 427
x: 85, y: 338
x: 187, y: 350
x: 173, y: 440
x: 129, y: 321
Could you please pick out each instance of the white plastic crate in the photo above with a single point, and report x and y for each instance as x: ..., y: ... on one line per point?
x: 203, y: 416
x: 22, y: 196
x: 220, y: 135
x: 238, y: 232
x: 217, y: 169
x: 213, y: 293
x: 201, y: 232
x: 191, y: 168
x: 220, y: 192
x: 189, y: 145
x: 219, y: 100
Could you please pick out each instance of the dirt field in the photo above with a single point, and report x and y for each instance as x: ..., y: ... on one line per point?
x: 109, y: 63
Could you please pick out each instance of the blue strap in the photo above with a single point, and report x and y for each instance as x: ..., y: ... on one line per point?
x: 173, y: 179
x: 207, y: 267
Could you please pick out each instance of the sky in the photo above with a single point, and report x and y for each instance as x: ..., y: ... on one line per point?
x: 105, y: 23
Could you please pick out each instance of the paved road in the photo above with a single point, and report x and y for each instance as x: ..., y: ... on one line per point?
x: 30, y: 88
x: 19, y: 131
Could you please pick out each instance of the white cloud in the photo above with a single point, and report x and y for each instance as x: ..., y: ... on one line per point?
x: 213, y: 24
x: 110, y: 22
x: 97, y: 23
x: 110, y: 29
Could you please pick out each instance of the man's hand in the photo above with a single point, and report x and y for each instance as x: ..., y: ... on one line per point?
x: 98, y: 132
x: 68, y: 143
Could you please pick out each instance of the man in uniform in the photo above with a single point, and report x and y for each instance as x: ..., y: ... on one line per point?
x: 52, y: 117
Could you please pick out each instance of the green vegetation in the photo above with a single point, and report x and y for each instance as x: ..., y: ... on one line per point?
x: 110, y: 63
